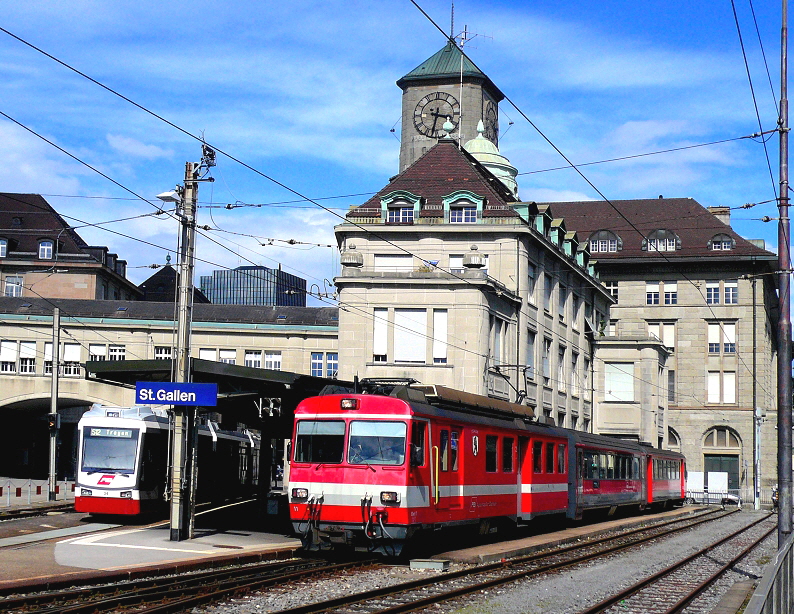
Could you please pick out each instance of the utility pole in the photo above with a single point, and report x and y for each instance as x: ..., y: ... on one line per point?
x: 53, y: 420
x: 784, y: 421
x: 185, y: 433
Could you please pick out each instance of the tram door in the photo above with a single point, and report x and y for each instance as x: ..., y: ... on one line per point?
x: 447, y: 466
x: 524, y: 477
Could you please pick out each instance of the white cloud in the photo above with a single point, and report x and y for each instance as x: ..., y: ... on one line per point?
x: 133, y: 147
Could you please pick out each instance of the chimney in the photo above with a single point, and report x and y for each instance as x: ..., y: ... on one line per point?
x: 723, y: 214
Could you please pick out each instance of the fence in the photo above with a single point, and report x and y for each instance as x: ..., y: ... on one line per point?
x: 16, y: 492
x: 775, y: 591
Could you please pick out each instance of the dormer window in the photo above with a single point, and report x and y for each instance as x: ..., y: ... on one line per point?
x: 721, y: 243
x: 463, y: 215
x: 46, y: 250
x: 604, y: 242
x: 400, y: 207
x: 3, y: 248
x: 401, y: 215
x: 661, y: 241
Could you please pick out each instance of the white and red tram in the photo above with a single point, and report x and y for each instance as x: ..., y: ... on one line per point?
x: 122, y: 463
x: 372, y: 470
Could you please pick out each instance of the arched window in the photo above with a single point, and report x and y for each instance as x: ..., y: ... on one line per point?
x: 721, y: 242
x: 722, y: 449
x: 673, y: 440
x: 46, y: 250
x: 722, y: 437
x: 661, y: 241
x: 605, y: 241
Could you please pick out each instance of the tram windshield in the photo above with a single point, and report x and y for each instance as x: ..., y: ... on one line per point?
x: 109, y: 449
x: 320, y: 441
x: 376, y: 443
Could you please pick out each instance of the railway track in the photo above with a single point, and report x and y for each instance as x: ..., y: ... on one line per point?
x: 673, y: 589
x: 176, y: 593
x: 426, y: 592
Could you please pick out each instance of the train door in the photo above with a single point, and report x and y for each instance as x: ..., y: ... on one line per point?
x: 447, y: 468
x: 524, y: 479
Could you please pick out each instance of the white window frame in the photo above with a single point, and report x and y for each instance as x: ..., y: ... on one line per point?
x: 273, y: 360
x: 117, y: 352
x: 14, y: 285
x: 332, y: 364
x: 619, y: 382
x: 316, y: 364
x: 440, y: 324
x: 46, y: 249
x: 3, y: 248
x: 380, y: 334
x: 410, y: 336
x: 227, y: 357
x: 8, y: 356
x: 253, y: 359
x: 162, y: 352
x: 27, y: 357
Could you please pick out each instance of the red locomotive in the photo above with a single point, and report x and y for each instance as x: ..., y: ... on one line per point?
x: 373, y: 470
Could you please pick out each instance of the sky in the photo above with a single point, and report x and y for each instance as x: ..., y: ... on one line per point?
x: 304, y: 92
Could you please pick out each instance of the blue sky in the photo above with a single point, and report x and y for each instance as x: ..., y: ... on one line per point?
x: 305, y: 93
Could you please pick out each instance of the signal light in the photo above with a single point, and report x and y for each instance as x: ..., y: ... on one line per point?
x: 349, y: 403
x: 53, y: 421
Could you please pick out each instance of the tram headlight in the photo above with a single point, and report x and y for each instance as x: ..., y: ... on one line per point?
x: 300, y: 493
x: 126, y: 494
x: 389, y: 497
x: 349, y: 403
x: 85, y: 492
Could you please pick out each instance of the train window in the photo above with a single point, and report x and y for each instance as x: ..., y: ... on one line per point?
x: 454, y: 439
x: 107, y: 449
x: 418, y: 444
x: 561, y: 458
x: 635, y: 468
x: 602, y: 466
x: 376, y: 443
x: 537, y: 457
x: 490, y: 452
x: 610, y: 466
x: 444, y: 450
x: 319, y: 441
x: 507, y: 455
x: 549, y: 458
x: 590, y: 466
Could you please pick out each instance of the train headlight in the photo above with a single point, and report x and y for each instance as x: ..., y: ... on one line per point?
x: 85, y: 492
x: 300, y: 493
x: 126, y: 494
x: 389, y: 497
x: 349, y: 403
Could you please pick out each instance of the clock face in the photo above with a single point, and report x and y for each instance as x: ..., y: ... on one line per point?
x: 491, y: 122
x: 433, y: 111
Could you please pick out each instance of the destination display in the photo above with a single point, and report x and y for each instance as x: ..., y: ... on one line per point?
x: 169, y: 393
x: 120, y: 433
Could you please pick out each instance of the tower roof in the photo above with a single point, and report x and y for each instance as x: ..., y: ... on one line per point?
x: 446, y: 64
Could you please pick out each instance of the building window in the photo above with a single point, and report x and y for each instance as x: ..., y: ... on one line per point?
x: 332, y: 365
x: 722, y: 337
x: 317, y: 364
x: 3, y: 248
x: 721, y: 242
x: 530, y: 370
x: 662, y: 241
x: 563, y: 302
x: 561, y: 383
x: 671, y: 386
x: 574, y: 374
x: 394, y: 263
x: 721, y: 438
x: 731, y: 292
x: 463, y: 215
x: 117, y: 352
x: 8, y: 356
x: 45, y: 250
x: 379, y: 334
x: 664, y: 332
x: 498, y: 338
x: 439, y: 336
x: 575, y: 309
x: 253, y: 359
x: 545, y: 360
x: 612, y: 288
x: 548, y: 287
x: 605, y: 241
x: 71, y: 359
x: 712, y: 293
x: 208, y: 354
x: 228, y: 357
x: 410, y: 335
x: 670, y: 293
x: 48, y: 358
x: 13, y: 285
x: 651, y: 293
x: 619, y: 382
x: 532, y: 278
x: 401, y: 215
x: 27, y: 357
x: 721, y: 387
x: 161, y: 352
x: 273, y: 361
x: 98, y: 352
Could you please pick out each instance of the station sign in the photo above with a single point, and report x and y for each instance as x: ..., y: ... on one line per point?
x: 170, y: 393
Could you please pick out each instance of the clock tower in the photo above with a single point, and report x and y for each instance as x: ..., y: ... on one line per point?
x: 446, y: 86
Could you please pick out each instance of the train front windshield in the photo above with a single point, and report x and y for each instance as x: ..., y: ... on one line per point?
x: 109, y: 449
x: 369, y: 442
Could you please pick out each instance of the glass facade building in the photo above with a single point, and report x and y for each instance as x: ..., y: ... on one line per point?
x: 254, y: 285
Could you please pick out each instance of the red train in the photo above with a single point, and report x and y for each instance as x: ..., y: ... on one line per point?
x: 373, y: 470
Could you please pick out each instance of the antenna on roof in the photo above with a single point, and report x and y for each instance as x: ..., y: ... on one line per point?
x: 452, y: 23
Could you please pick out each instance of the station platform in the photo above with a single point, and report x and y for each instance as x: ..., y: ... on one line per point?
x: 57, y: 558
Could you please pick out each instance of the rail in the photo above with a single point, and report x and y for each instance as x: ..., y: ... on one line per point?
x: 775, y: 591
x: 16, y: 492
